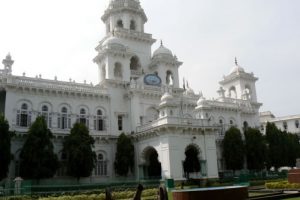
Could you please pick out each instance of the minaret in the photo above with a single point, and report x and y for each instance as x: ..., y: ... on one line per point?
x: 240, y: 84
x: 7, y: 62
x: 125, y: 51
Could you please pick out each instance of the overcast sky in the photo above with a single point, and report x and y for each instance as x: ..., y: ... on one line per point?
x: 58, y: 37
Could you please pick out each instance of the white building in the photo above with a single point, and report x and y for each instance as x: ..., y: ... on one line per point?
x: 287, y: 123
x: 139, y: 94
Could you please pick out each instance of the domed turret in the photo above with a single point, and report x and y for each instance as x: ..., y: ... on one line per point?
x: 112, y: 41
x: 236, y: 68
x: 162, y: 51
x: 201, y: 101
x: 166, y: 97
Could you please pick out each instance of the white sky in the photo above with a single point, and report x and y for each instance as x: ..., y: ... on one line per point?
x: 58, y: 37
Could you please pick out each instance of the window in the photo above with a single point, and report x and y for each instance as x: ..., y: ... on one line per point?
x: 221, y: 122
x: 120, y: 123
x: 118, y: 70
x: 120, y: 23
x: 23, y: 116
x: 245, y: 124
x: 132, y: 25
x: 83, y: 118
x: 101, y: 166
x: 99, y: 121
x: 135, y: 63
x: 232, y: 92
x: 64, y: 119
x: 47, y: 116
x: 285, y: 126
x: 231, y: 122
x: 169, y: 78
x: 297, y: 123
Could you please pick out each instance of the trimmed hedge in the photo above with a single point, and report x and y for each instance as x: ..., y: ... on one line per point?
x: 282, y: 185
x: 148, y: 194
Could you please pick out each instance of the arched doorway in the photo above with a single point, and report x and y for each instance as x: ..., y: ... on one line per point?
x: 152, y: 166
x: 191, y: 164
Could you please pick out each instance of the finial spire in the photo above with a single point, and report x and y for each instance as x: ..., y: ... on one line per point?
x: 236, y: 62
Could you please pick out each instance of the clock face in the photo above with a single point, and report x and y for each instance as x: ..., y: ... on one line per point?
x: 152, y: 79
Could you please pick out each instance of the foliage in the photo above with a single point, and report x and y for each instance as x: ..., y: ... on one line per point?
x: 78, y: 149
x: 191, y: 162
x: 148, y: 194
x: 283, y: 147
x: 37, y: 159
x: 124, y: 156
x: 233, y: 149
x: 293, y: 149
x: 282, y: 185
x: 276, y: 148
x: 256, y: 149
x: 5, y: 143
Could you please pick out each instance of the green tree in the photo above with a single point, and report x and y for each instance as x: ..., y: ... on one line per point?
x: 277, y: 149
x: 124, y: 156
x: 191, y: 162
x: 293, y: 149
x: 5, y: 143
x: 233, y: 149
x: 37, y: 159
x: 256, y: 149
x: 78, y: 149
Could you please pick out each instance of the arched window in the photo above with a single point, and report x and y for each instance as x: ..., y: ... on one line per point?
x: 132, y: 25
x: 47, y: 116
x: 99, y: 121
x: 118, y: 70
x: 101, y: 166
x: 169, y: 78
x: 285, y: 126
x: 83, y: 118
x: 297, y: 123
x: 120, y: 23
x: 135, y: 63
x: 247, y: 93
x: 232, y: 92
x: 221, y: 122
x: 64, y: 119
x: 245, y: 125
x: 24, y: 116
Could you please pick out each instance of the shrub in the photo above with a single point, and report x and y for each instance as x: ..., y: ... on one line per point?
x: 282, y: 185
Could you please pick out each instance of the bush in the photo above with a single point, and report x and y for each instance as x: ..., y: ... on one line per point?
x: 282, y: 185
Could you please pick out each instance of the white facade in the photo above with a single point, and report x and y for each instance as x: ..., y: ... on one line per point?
x: 287, y: 123
x: 138, y: 94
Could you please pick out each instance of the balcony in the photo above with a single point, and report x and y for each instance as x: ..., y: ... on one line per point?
x: 136, y: 73
x: 175, y: 122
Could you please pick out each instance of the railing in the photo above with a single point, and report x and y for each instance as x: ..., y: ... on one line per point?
x: 53, y: 84
x: 136, y: 72
x: 174, y: 121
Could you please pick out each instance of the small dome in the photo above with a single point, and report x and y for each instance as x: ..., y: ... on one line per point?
x: 201, y: 101
x: 166, y: 97
x: 162, y: 51
x: 237, y: 69
x: 190, y: 92
x: 112, y: 40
